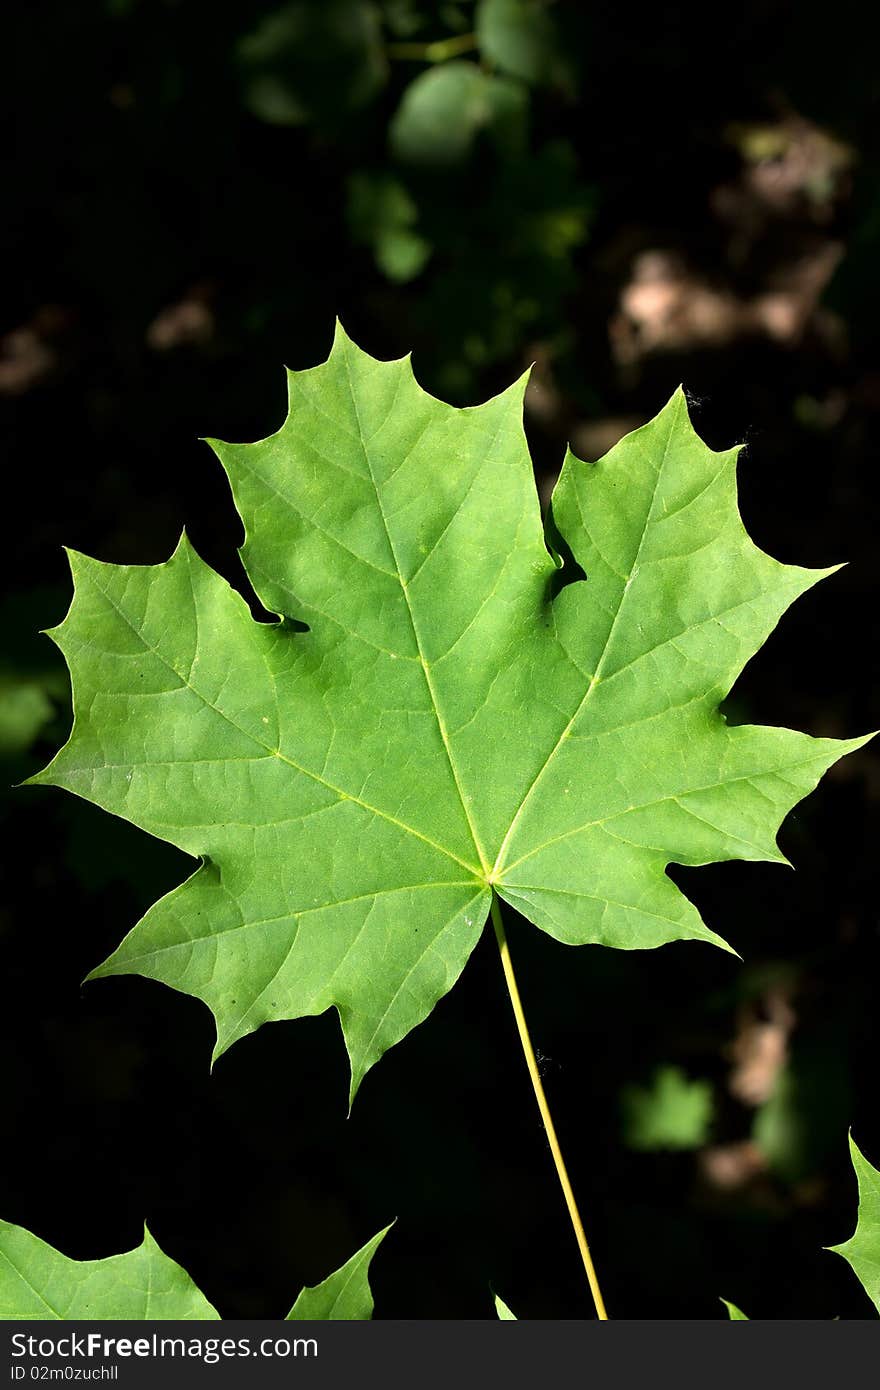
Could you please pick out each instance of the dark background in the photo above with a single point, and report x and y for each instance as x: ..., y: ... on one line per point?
x: 629, y: 199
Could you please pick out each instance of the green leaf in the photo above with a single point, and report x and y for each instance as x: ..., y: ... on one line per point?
x: 24, y: 709
x: 443, y: 111
x: 520, y: 37
x: 862, y: 1250
x: 37, y: 1281
x: 503, y: 1311
x: 672, y: 1113
x: 382, y: 215
x: 734, y: 1313
x: 345, y: 1296
x: 449, y: 725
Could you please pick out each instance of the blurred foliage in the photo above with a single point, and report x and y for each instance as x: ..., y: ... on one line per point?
x: 34, y: 692
x: 382, y: 215
x: 521, y: 38
x: 307, y: 62
x: 441, y: 114
x: 672, y: 1112
x: 797, y: 1137
x: 463, y: 194
x: 24, y: 708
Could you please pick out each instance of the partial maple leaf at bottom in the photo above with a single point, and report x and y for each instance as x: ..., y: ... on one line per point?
x: 39, y: 1282
x: 451, y: 723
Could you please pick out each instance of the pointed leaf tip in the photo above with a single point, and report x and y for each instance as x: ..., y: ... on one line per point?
x: 734, y: 1314
x: 862, y: 1250
x: 345, y: 1295
x: 39, y: 1282
x: 502, y: 1310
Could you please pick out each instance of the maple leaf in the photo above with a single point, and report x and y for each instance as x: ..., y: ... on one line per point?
x: 862, y: 1250
x: 345, y: 1295
x: 37, y: 1281
x: 451, y: 723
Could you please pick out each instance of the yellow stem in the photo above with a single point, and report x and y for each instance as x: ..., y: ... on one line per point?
x: 544, y: 1108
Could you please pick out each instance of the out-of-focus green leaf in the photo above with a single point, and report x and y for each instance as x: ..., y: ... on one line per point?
x: 31, y: 689
x: 401, y: 254
x: 520, y: 37
x: 444, y: 110
x: 778, y: 1128
x: 382, y: 215
x: 403, y: 18
x: 308, y: 61
x: 862, y: 1250
x: 796, y: 1136
x: 345, y: 1295
x: 24, y: 709
x: 440, y: 114
x: 508, y: 104
x: 672, y: 1113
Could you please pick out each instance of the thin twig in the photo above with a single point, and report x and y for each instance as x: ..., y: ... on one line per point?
x: 436, y: 52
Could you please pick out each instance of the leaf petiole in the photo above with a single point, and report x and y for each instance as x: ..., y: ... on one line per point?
x: 437, y: 52
x: 550, y: 1129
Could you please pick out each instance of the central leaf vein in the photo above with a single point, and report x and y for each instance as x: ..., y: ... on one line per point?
x: 441, y: 724
x: 606, y: 647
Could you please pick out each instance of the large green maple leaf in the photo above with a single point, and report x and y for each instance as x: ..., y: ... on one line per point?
x: 450, y: 724
x: 37, y: 1281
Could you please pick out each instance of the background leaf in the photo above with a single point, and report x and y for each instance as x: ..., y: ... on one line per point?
x: 441, y: 113
x: 383, y: 215
x: 306, y: 62
x: 520, y: 37
x: 673, y: 1112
